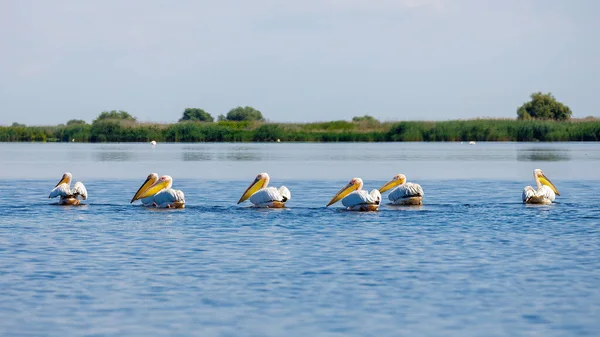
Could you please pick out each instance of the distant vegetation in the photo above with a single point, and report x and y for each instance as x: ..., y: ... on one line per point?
x: 365, y: 118
x: 336, y: 131
x: 114, y: 115
x: 243, y: 114
x: 544, y: 106
x: 196, y: 115
x: 541, y: 119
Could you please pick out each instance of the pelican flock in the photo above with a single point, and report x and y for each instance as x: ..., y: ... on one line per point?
x: 261, y: 195
x: 354, y: 198
x: 405, y: 193
x: 546, y: 191
x: 157, y: 192
x: 68, y: 196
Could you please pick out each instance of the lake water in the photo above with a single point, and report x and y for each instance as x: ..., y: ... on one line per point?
x: 473, y: 261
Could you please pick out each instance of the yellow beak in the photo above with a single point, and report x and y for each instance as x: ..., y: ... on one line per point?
x: 390, y: 184
x: 545, y: 181
x: 343, y: 193
x: 256, y: 185
x: 154, y: 189
x: 145, y: 186
x: 64, y: 179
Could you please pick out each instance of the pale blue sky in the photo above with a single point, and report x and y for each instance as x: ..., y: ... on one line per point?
x: 295, y: 60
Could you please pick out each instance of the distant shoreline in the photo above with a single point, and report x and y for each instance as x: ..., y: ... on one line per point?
x: 114, y: 131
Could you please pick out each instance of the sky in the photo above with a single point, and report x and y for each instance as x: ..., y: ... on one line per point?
x: 296, y: 61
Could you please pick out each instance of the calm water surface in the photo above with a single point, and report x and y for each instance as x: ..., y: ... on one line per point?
x: 473, y: 261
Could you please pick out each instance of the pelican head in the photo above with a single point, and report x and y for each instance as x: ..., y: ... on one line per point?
x: 66, y: 179
x: 261, y: 181
x: 354, y: 185
x: 150, y: 181
x: 398, y: 179
x: 540, y: 178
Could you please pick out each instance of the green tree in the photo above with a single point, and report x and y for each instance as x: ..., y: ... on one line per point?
x: 246, y: 113
x: 196, y: 115
x: 76, y: 122
x: 115, y: 115
x: 17, y: 125
x: 544, y: 106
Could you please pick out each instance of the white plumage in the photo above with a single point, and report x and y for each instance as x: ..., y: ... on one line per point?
x: 544, y: 195
x: 404, y: 191
x: 67, y: 195
x: 148, y: 202
x: 61, y: 190
x: 168, y: 197
x: 267, y: 195
x: 79, y: 190
x: 64, y: 191
x: 361, y: 198
x: 164, y: 199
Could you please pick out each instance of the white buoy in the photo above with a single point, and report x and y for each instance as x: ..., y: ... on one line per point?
x: 278, y: 140
x: 471, y: 143
x: 153, y: 143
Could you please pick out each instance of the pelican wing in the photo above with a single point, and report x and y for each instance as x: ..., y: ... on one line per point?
x: 546, y: 192
x: 61, y: 190
x: 168, y: 197
x: 285, y: 193
x: 528, y: 193
x: 269, y: 194
x: 148, y: 201
x: 407, y: 190
x: 79, y: 190
x: 376, y: 196
x: 180, y: 196
x: 362, y: 197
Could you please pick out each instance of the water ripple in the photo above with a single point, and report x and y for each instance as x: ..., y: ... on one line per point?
x: 468, y: 265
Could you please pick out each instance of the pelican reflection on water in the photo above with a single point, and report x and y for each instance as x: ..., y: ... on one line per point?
x: 68, y: 196
x: 354, y: 198
x: 261, y: 195
x: 157, y: 192
x: 405, y: 193
x: 546, y: 191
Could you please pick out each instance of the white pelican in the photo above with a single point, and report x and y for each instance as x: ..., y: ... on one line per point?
x: 68, y: 196
x: 405, y: 193
x: 354, y: 198
x: 545, y: 193
x: 262, y: 196
x: 156, y: 192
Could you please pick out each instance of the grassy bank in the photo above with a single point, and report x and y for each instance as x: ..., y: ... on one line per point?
x: 336, y: 131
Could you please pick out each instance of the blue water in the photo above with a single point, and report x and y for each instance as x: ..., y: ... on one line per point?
x: 473, y: 261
